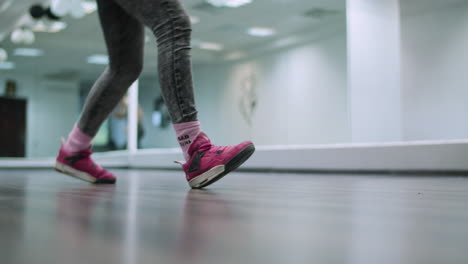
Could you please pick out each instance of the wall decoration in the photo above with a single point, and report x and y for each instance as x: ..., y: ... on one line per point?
x: 248, y: 97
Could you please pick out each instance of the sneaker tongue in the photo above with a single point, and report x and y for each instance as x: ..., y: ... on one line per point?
x: 201, y: 140
x: 85, y: 153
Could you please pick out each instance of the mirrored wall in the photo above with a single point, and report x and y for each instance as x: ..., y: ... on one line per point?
x: 327, y: 72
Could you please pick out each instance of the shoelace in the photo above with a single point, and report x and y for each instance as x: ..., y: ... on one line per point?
x: 83, y: 155
x: 205, y: 148
x: 212, y: 149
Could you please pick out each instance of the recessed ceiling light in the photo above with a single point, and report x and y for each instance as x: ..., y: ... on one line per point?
x: 3, y: 55
x: 27, y: 52
x: 194, y: 20
x: 39, y: 26
x: 210, y: 46
x: 7, y: 65
x: 22, y: 36
x: 98, y: 59
x: 235, y: 55
x: 54, y: 27
x: 89, y: 6
x: 286, y: 42
x: 57, y: 26
x: 261, y: 32
x: 228, y: 3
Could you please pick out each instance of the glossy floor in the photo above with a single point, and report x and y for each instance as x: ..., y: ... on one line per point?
x: 153, y: 217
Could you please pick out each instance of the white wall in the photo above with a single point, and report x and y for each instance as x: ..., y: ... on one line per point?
x: 301, y: 94
x: 434, y: 73
x: 302, y: 91
x: 301, y: 97
x: 374, y: 70
x: 52, y: 110
x: 407, y: 77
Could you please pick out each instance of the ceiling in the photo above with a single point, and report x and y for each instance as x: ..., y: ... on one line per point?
x: 66, y: 52
x: 414, y: 7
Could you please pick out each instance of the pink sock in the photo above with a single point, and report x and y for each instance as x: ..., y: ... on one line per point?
x: 77, y: 141
x: 186, y: 134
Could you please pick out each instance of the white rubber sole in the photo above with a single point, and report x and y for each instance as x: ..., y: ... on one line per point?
x: 206, y: 177
x: 60, y: 167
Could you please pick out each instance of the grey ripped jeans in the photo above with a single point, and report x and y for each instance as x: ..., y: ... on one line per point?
x: 123, y: 23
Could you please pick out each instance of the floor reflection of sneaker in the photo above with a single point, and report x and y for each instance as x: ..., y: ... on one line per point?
x: 80, y: 165
x: 209, y: 163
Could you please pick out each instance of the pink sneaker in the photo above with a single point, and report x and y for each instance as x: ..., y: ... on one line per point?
x: 209, y: 163
x: 81, y: 166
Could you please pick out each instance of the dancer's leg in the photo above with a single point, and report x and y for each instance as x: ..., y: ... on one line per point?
x: 124, y: 39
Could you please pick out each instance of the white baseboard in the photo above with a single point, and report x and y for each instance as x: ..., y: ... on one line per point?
x: 109, y: 159
x: 398, y: 156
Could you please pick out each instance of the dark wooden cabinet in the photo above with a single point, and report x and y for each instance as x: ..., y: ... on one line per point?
x: 12, y: 127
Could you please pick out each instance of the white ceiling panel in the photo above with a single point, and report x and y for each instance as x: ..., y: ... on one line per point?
x: 66, y: 52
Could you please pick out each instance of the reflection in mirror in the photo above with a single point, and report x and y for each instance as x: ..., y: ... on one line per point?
x: 36, y: 112
x: 13, y: 119
x: 160, y: 115
x: 274, y: 81
x: 154, y: 126
x: 298, y: 80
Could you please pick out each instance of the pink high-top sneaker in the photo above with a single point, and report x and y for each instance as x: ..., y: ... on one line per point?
x: 209, y: 163
x: 81, y: 166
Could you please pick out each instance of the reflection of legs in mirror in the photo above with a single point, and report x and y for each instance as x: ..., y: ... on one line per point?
x: 122, y: 22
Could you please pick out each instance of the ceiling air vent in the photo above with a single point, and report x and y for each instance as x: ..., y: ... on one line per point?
x: 320, y: 13
x: 230, y: 28
x: 64, y: 75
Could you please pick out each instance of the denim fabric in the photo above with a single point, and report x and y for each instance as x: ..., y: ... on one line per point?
x: 123, y: 23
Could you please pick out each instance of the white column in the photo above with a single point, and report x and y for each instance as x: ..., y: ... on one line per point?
x: 374, y: 70
x: 132, y: 125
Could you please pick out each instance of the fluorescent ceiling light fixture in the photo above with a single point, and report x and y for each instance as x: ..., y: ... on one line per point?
x: 53, y: 27
x: 89, y: 6
x: 210, y: 46
x: 98, y: 59
x: 3, y: 55
x: 261, y: 32
x: 7, y: 65
x: 235, y: 55
x: 286, y: 42
x: 194, y: 20
x: 39, y: 26
x: 57, y: 26
x: 26, y: 52
x: 229, y: 3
